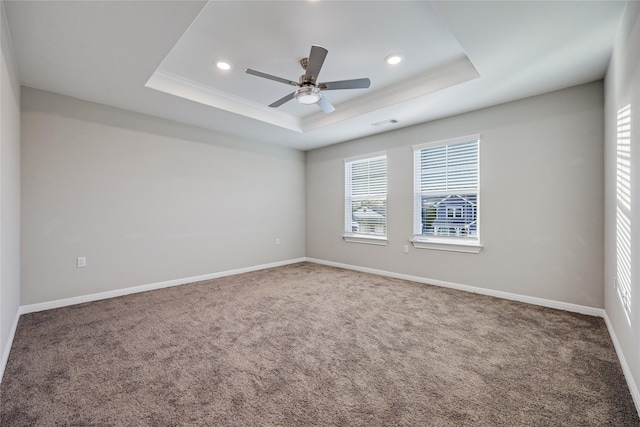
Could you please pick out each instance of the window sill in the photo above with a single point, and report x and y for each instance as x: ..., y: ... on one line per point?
x: 447, y: 245
x: 368, y: 240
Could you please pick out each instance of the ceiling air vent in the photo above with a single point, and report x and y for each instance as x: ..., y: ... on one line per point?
x: 385, y: 123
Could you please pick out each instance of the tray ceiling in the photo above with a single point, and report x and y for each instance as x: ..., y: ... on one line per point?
x: 158, y: 58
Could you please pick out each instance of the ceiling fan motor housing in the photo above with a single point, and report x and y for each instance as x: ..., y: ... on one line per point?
x: 306, y: 80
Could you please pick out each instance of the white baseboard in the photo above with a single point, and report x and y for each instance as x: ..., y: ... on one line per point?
x: 31, y: 308
x: 583, y: 309
x: 635, y: 393
x: 7, y: 348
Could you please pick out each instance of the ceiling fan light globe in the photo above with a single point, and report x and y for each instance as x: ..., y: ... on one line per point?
x: 308, y: 99
x: 308, y: 95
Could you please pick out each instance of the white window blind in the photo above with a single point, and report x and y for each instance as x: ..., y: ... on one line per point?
x: 446, y: 190
x: 623, y: 209
x: 366, y: 196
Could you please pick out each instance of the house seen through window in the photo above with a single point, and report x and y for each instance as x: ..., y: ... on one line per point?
x: 446, y: 190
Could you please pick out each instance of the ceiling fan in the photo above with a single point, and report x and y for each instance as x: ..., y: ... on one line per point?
x: 308, y: 91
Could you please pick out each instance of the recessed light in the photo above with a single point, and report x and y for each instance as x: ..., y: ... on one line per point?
x: 223, y: 65
x: 393, y: 59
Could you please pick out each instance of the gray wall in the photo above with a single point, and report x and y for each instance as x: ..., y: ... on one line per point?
x: 541, y: 192
x: 146, y: 200
x: 622, y: 86
x: 9, y: 192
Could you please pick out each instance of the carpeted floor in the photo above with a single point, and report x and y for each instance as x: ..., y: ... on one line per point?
x: 306, y: 345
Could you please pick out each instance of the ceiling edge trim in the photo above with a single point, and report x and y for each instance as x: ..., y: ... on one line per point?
x: 188, y: 89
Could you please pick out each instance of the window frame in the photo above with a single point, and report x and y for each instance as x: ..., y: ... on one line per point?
x: 358, y: 237
x: 444, y: 243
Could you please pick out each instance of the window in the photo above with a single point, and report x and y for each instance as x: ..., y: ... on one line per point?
x: 365, y: 207
x: 623, y: 210
x: 446, y: 195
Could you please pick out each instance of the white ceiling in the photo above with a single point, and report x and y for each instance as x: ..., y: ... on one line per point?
x: 159, y: 58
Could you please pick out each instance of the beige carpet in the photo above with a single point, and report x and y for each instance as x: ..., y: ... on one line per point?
x: 307, y: 345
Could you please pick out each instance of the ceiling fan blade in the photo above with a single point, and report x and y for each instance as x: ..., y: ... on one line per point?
x: 282, y: 100
x: 325, y: 105
x: 316, y: 59
x: 270, y: 77
x: 346, y: 84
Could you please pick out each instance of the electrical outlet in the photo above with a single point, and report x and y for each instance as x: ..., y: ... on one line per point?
x: 81, y: 262
x: 406, y: 249
x: 277, y: 240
